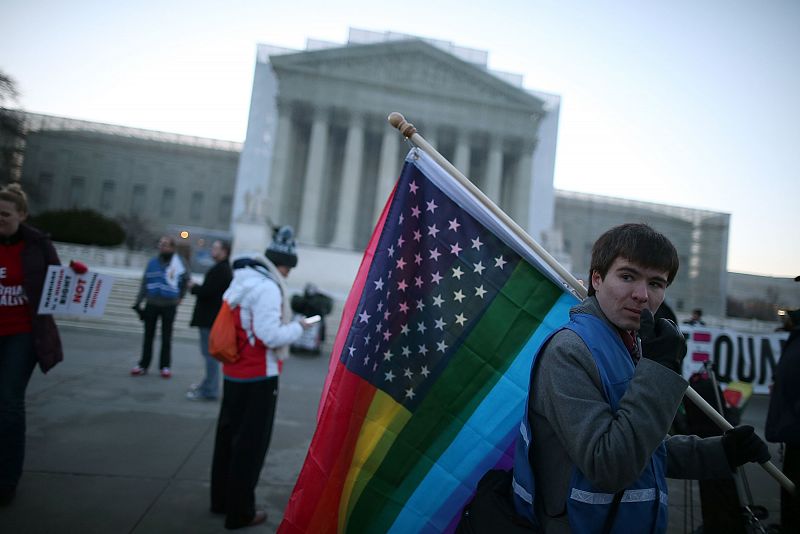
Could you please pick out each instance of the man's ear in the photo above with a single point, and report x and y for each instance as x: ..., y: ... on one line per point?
x: 596, y: 279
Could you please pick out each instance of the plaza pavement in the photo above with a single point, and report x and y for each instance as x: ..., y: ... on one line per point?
x: 109, y: 453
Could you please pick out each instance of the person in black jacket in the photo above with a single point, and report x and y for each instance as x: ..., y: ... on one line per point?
x: 209, y: 300
x: 783, y: 417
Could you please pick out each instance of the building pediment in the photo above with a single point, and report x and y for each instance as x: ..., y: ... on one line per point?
x: 403, y: 66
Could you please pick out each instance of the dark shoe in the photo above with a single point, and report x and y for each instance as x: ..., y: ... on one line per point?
x: 7, y: 495
x: 259, y: 518
x: 195, y: 395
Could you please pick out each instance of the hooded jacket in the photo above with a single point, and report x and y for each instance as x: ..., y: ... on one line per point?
x: 255, y: 294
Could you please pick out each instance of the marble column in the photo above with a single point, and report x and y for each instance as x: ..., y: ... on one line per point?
x: 312, y: 184
x: 523, y: 185
x: 346, y: 214
x: 494, y: 168
x: 280, y: 165
x: 462, y: 153
x: 388, y: 169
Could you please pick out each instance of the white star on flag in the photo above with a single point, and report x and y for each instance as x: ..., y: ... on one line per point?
x: 389, y: 375
x: 460, y: 319
x: 438, y: 300
x: 364, y: 316
x: 413, y: 187
x: 432, y: 230
x: 499, y: 262
x: 458, y: 295
x: 424, y: 371
x: 407, y: 373
x: 479, y: 291
x: 440, y: 324
x: 435, y: 254
x: 415, y: 212
x: 440, y: 346
x: 457, y: 272
x: 401, y: 285
x: 409, y: 393
x: 378, y: 284
x: 455, y: 249
x: 476, y: 243
x: 478, y: 268
x: 454, y: 225
x: 431, y: 206
x: 436, y: 277
x: 391, y: 251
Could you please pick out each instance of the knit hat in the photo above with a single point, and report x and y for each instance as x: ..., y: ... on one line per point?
x: 282, y: 249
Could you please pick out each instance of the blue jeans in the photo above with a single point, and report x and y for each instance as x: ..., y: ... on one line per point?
x: 17, y: 361
x: 209, y: 387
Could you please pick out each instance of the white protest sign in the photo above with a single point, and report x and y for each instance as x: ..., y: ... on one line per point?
x: 68, y: 293
x: 736, y: 356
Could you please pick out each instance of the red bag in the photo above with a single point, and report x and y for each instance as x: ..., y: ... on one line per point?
x: 222, y: 343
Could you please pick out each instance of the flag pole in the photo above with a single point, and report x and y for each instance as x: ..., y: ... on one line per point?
x: 410, y: 132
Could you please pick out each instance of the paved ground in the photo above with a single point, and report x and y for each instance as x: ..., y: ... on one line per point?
x: 109, y: 453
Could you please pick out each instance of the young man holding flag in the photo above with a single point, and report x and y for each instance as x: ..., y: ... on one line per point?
x: 604, y: 390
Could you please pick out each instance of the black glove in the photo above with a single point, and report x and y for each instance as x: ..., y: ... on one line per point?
x: 139, y: 311
x: 742, y: 445
x: 662, y: 341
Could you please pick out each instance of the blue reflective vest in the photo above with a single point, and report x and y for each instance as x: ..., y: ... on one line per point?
x: 155, y: 276
x: 643, y: 507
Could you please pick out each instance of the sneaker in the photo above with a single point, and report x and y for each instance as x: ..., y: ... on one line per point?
x: 197, y: 396
x: 194, y: 387
x: 138, y: 371
x: 165, y: 372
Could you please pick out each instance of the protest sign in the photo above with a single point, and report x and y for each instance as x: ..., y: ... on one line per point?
x: 68, y: 293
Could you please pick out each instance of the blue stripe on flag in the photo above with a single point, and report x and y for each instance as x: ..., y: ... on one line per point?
x: 476, y: 449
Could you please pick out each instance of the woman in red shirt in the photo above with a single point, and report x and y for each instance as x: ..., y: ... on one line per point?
x: 25, y: 337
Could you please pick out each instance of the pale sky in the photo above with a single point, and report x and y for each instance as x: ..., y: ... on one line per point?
x: 684, y: 102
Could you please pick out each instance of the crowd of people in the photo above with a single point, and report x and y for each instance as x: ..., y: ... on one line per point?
x: 594, y: 449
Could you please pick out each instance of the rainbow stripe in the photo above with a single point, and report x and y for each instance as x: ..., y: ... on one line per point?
x: 379, y: 463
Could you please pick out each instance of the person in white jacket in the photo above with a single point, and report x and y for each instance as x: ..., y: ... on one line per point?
x: 264, y: 332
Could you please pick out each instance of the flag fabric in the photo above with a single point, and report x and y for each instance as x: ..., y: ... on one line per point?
x: 430, y: 367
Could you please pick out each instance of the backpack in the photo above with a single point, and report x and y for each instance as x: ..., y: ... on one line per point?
x: 222, y: 343
x: 492, y: 508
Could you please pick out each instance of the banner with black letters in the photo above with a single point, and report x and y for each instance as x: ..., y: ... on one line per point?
x: 736, y: 356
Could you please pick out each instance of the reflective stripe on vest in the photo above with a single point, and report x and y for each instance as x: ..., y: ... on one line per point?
x: 643, y: 507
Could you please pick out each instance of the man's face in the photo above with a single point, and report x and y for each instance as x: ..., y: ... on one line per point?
x: 627, y: 289
x: 166, y: 246
x: 284, y: 270
x: 218, y: 252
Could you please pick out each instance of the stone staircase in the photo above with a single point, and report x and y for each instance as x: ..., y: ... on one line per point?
x: 120, y: 317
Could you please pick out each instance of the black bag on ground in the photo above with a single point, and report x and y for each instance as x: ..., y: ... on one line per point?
x: 492, y: 508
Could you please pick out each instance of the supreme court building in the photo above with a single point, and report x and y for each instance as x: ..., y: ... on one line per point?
x: 320, y: 155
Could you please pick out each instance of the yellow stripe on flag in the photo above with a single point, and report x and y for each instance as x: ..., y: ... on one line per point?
x: 384, y: 421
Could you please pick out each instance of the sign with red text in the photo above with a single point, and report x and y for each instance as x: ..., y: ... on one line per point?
x: 67, y: 293
x: 735, y: 356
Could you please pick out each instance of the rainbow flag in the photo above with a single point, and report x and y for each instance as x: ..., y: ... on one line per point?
x: 430, y: 367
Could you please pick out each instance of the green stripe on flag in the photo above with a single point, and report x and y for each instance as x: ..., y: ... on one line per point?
x: 478, y: 364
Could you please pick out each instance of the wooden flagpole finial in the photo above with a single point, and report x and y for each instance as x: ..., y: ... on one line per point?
x: 398, y: 121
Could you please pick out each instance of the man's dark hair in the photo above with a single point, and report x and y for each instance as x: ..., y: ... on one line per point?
x: 226, y: 246
x: 637, y: 243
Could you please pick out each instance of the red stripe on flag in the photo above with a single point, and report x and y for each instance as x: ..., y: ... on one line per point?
x: 314, y: 503
x: 700, y: 356
x: 701, y: 337
x: 353, y: 298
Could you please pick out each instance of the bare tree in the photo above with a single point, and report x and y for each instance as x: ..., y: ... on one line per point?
x: 12, y: 132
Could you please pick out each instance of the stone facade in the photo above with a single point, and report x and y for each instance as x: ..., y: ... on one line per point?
x: 165, y: 180
x: 320, y: 155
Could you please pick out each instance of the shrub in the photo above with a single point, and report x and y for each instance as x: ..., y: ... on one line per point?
x: 82, y: 226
